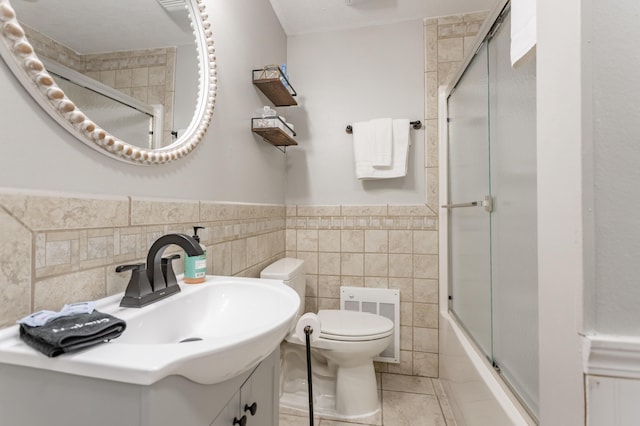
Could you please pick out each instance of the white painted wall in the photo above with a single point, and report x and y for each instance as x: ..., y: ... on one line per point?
x: 231, y: 164
x: 344, y: 77
x: 560, y: 211
x: 616, y: 153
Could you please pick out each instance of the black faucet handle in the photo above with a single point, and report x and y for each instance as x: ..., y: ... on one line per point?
x: 130, y: 267
x: 138, y: 286
x: 167, y: 270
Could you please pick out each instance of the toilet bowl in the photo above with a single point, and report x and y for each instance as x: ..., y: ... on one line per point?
x: 344, y: 379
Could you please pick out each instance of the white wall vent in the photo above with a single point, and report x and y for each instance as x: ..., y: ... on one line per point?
x: 381, y: 301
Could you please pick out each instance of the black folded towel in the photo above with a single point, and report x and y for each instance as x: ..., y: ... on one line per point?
x: 71, y: 333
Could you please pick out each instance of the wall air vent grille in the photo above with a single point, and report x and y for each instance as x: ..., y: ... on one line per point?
x: 383, y: 302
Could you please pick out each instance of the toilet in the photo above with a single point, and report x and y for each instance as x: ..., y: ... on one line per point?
x: 344, y: 380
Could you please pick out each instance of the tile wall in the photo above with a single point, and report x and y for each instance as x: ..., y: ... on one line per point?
x: 448, y: 40
x: 379, y: 246
x: 147, y: 75
x: 60, y: 248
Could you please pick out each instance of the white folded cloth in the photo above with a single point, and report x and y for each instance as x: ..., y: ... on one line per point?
x: 523, y: 29
x: 365, y: 169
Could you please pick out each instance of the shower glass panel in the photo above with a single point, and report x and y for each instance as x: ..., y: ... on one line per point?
x: 123, y: 121
x: 514, y: 264
x: 469, y: 230
x: 493, y: 252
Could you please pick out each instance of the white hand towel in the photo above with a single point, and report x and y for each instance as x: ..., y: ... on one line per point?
x: 361, y: 152
x: 398, y: 167
x: 381, y: 144
x: 523, y: 29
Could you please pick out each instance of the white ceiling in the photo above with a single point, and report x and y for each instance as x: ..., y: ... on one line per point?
x: 96, y: 26
x: 309, y: 16
x: 93, y: 26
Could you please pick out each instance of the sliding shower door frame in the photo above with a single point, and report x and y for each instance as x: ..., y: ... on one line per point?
x: 489, y: 28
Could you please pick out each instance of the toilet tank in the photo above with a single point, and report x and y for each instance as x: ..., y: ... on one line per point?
x: 291, y: 271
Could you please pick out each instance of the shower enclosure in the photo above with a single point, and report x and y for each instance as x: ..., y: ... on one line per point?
x: 491, y: 209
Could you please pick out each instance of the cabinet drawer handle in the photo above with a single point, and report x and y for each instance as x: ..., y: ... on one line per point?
x: 251, y: 408
x: 241, y: 422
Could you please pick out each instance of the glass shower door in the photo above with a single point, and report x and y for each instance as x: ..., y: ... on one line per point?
x: 469, y: 223
x: 514, y: 262
x: 493, y: 251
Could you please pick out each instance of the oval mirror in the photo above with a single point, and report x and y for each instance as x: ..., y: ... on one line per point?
x: 133, y: 79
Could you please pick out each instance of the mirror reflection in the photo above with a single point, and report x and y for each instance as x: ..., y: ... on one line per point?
x: 131, y: 66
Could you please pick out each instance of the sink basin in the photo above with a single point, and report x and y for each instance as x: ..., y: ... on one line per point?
x: 208, y: 333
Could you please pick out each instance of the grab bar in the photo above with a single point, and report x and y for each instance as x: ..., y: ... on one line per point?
x: 487, y: 203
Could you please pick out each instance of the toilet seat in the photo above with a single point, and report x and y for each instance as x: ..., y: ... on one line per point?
x: 352, y: 326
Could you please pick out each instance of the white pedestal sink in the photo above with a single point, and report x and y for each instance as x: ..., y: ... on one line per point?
x: 237, y: 323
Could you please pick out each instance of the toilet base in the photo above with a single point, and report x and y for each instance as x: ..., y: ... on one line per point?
x: 339, y: 393
x: 356, y: 390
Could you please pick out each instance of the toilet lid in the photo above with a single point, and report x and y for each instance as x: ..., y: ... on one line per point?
x: 352, y: 325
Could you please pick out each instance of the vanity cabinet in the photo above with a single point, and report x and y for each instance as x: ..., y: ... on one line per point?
x: 256, y: 403
x: 71, y: 400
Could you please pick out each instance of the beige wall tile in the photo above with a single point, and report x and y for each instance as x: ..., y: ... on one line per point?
x: 238, y: 255
x: 450, y: 49
x: 400, y: 242
x: 221, y: 258
x: 425, y: 290
x: 406, y: 313
x: 400, y: 265
x: 405, y: 366
x: 291, y: 239
x: 352, y: 263
x: 406, y: 338
x: 352, y: 241
x: 210, y: 211
x: 376, y: 241
x: 333, y: 210
x: 329, y: 240
x: 405, y: 285
x: 364, y: 210
x: 310, y: 261
x: 432, y: 188
x: 329, y: 263
x: 348, y: 281
x: 325, y: 303
x: 425, y: 266
x: 425, y: 315
x: 329, y: 286
x: 50, y: 211
x: 15, y: 270
x: 312, y: 285
x: 376, y: 282
x: 431, y: 43
x: 376, y: 264
x: 432, y: 143
x: 307, y: 240
x: 425, y: 340
x: 123, y: 78
x: 431, y: 98
x: 52, y: 293
x: 149, y: 212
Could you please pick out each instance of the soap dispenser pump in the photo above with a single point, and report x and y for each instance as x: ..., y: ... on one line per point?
x: 195, y: 267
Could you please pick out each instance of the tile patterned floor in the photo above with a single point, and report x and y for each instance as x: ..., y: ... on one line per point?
x: 406, y: 401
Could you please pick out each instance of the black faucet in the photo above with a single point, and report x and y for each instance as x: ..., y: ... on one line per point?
x: 158, y: 280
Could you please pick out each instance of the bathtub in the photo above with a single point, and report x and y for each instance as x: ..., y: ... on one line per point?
x: 476, y: 394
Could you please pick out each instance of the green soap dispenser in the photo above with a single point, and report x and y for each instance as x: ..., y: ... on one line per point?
x: 195, y: 267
